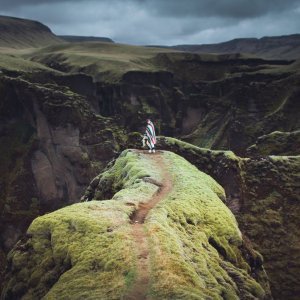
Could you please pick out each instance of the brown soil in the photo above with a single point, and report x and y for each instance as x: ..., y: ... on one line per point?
x: 140, y: 287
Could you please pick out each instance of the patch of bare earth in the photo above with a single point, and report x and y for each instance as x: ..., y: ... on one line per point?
x: 140, y: 286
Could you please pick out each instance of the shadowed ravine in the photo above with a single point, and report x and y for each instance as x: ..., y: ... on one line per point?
x: 140, y: 286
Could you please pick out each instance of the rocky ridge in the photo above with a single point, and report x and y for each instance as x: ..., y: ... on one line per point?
x: 263, y: 193
x: 196, y: 248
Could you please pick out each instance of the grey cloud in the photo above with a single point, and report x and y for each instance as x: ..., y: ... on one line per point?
x: 225, y: 8
x: 16, y: 4
x: 162, y: 21
x: 222, y: 8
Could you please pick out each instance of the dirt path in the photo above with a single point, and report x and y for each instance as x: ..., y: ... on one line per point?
x: 140, y: 287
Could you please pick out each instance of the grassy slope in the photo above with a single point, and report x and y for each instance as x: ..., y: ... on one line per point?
x: 279, y: 47
x: 14, y: 62
x: 102, y: 60
x: 86, y: 251
x: 19, y: 33
x: 109, y: 62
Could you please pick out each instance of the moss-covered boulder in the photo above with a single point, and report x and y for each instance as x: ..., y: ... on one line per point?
x: 87, y: 250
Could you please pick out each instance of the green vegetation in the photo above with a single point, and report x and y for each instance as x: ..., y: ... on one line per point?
x: 195, y: 241
x: 86, y: 250
x: 194, y: 149
x: 14, y: 62
x: 262, y: 192
x: 81, y: 251
x: 218, y: 101
x: 108, y: 62
x: 132, y: 187
x: 17, y: 33
x: 103, y: 61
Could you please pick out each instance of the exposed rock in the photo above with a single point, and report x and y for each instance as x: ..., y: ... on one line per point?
x: 197, y: 250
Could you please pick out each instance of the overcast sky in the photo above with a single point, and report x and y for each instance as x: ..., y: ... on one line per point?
x: 168, y: 22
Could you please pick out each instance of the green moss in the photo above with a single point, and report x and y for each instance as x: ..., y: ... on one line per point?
x: 85, y: 246
x: 192, y: 148
x: 185, y: 262
x: 125, y: 178
x: 104, y: 61
x: 86, y: 251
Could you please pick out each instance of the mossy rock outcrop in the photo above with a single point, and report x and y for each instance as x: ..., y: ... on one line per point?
x: 86, y: 250
x: 263, y: 193
x: 276, y: 143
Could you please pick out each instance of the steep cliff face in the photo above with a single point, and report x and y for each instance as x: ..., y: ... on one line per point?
x: 193, y: 246
x: 201, y: 103
x: 263, y: 193
x: 50, y: 146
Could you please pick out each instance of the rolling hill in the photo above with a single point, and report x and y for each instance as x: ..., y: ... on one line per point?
x: 103, y: 61
x: 22, y: 33
x: 275, y: 47
x: 78, y: 38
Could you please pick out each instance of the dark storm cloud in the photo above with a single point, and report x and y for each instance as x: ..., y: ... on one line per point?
x: 221, y: 8
x: 10, y: 4
x: 162, y: 21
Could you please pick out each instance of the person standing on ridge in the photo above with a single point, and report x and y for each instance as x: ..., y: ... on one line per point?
x: 149, y: 136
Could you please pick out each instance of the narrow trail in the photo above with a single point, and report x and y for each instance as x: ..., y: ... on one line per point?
x: 140, y: 286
